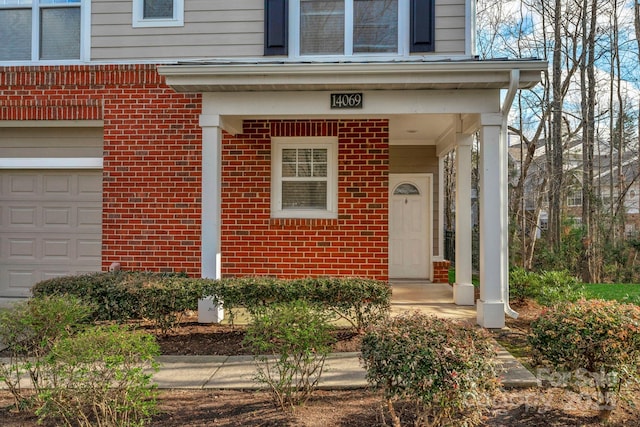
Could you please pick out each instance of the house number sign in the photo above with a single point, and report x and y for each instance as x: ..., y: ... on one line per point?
x: 346, y: 100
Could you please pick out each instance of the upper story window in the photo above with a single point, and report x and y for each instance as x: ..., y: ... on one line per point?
x: 303, y: 28
x: 158, y: 13
x: 347, y: 27
x: 35, y: 30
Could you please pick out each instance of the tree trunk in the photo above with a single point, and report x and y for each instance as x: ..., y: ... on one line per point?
x: 556, y: 163
x: 591, y: 265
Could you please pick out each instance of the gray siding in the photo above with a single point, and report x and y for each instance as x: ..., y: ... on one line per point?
x: 450, y: 27
x: 419, y: 159
x: 219, y: 29
x: 51, y: 142
x: 212, y: 29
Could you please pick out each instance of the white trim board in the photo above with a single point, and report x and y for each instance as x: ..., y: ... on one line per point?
x: 51, y: 163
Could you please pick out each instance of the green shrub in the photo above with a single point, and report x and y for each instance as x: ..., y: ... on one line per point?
x: 547, y: 288
x: 632, y: 299
x: 358, y: 301
x: 106, y: 291
x: 361, y: 302
x: 290, y: 342
x: 29, y: 330
x: 558, y: 286
x: 441, y: 369
x: 100, y: 379
x: 124, y: 295
x: 522, y: 284
x: 163, y: 298
x: 594, y: 342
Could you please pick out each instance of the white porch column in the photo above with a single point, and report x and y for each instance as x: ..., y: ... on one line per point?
x: 440, y: 256
x: 493, y: 254
x: 463, y: 291
x: 211, y: 218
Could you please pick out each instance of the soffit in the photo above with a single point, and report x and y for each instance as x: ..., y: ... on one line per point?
x: 294, y: 76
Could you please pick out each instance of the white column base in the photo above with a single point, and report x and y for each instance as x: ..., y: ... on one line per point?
x: 464, y: 294
x: 490, y: 315
x: 209, y: 311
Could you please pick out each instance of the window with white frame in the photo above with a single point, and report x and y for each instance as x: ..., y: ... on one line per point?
x: 574, y: 198
x: 34, y: 30
x: 348, y: 27
x: 158, y: 13
x: 304, y: 177
x: 302, y: 28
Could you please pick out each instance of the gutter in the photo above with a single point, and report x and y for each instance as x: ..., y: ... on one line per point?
x: 514, y: 81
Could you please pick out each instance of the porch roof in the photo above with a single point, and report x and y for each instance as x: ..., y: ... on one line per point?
x: 232, y: 76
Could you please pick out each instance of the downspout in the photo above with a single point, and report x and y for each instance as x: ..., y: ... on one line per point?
x: 514, y: 82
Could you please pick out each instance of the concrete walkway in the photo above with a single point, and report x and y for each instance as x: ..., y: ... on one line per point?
x: 342, y: 370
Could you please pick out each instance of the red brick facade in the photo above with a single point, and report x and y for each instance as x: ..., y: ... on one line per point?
x: 152, y: 177
x: 441, y: 271
x: 152, y: 154
x: 354, y: 244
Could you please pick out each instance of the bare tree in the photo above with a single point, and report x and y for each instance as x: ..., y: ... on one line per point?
x: 592, y: 262
x: 586, y: 43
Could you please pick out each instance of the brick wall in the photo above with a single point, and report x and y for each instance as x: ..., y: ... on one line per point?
x: 152, y: 177
x: 354, y: 244
x: 152, y: 154
x: 441, y: 271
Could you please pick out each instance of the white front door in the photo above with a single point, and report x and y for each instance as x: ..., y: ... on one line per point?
x: 410, y: 226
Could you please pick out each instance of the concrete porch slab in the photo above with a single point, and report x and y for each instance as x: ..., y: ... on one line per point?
x: 428, y: 298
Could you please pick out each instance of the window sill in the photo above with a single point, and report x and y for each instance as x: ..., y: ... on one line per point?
x: 322, y: 223
x: 151, y: 23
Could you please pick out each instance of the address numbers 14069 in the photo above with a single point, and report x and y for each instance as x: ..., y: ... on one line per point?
x: 346, y: 100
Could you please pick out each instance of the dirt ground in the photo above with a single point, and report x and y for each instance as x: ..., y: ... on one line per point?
x: 546, y: 406
x: 353, y: 408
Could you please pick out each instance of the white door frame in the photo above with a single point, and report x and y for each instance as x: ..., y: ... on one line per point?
x: 427, y: 180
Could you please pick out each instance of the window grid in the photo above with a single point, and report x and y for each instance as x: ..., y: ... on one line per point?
x: 158, y: 13
x: 42, y: 30
x: 356, y: 27
x: 574, y: 198
x: 304, y: 183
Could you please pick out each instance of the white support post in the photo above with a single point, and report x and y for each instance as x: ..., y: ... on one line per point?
x: 463, y: 290
x: 493, y: 254
x: 208, y: 312
x: 440, y: 255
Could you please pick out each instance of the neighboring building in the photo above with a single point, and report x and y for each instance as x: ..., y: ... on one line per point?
x: 249, y: 137
x: 625, y: 185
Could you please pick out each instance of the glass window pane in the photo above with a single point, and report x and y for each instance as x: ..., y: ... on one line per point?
x: 321, y: 27
x: 320, y: 170
x: 158, y: 9
x: 304, y: 195
x: 320, y: 162
x: 320, y: 155
x: 375, y: 27
x: 406, y: 189
x: 15, y: 25
x: 15, y: 2
x: 288, y: 170
x: 304, y: 169
x: 304, y: 155
x: 58, y: 1
x: 289, y: 155
x: 60, y: 33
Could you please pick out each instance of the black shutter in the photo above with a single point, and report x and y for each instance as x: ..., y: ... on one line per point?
x: 422, y: 25
x: 276, y: 23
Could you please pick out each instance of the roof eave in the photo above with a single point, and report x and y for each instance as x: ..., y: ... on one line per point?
x: 225, y: 77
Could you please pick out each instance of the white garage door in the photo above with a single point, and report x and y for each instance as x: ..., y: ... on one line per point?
x: 50, y: 225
